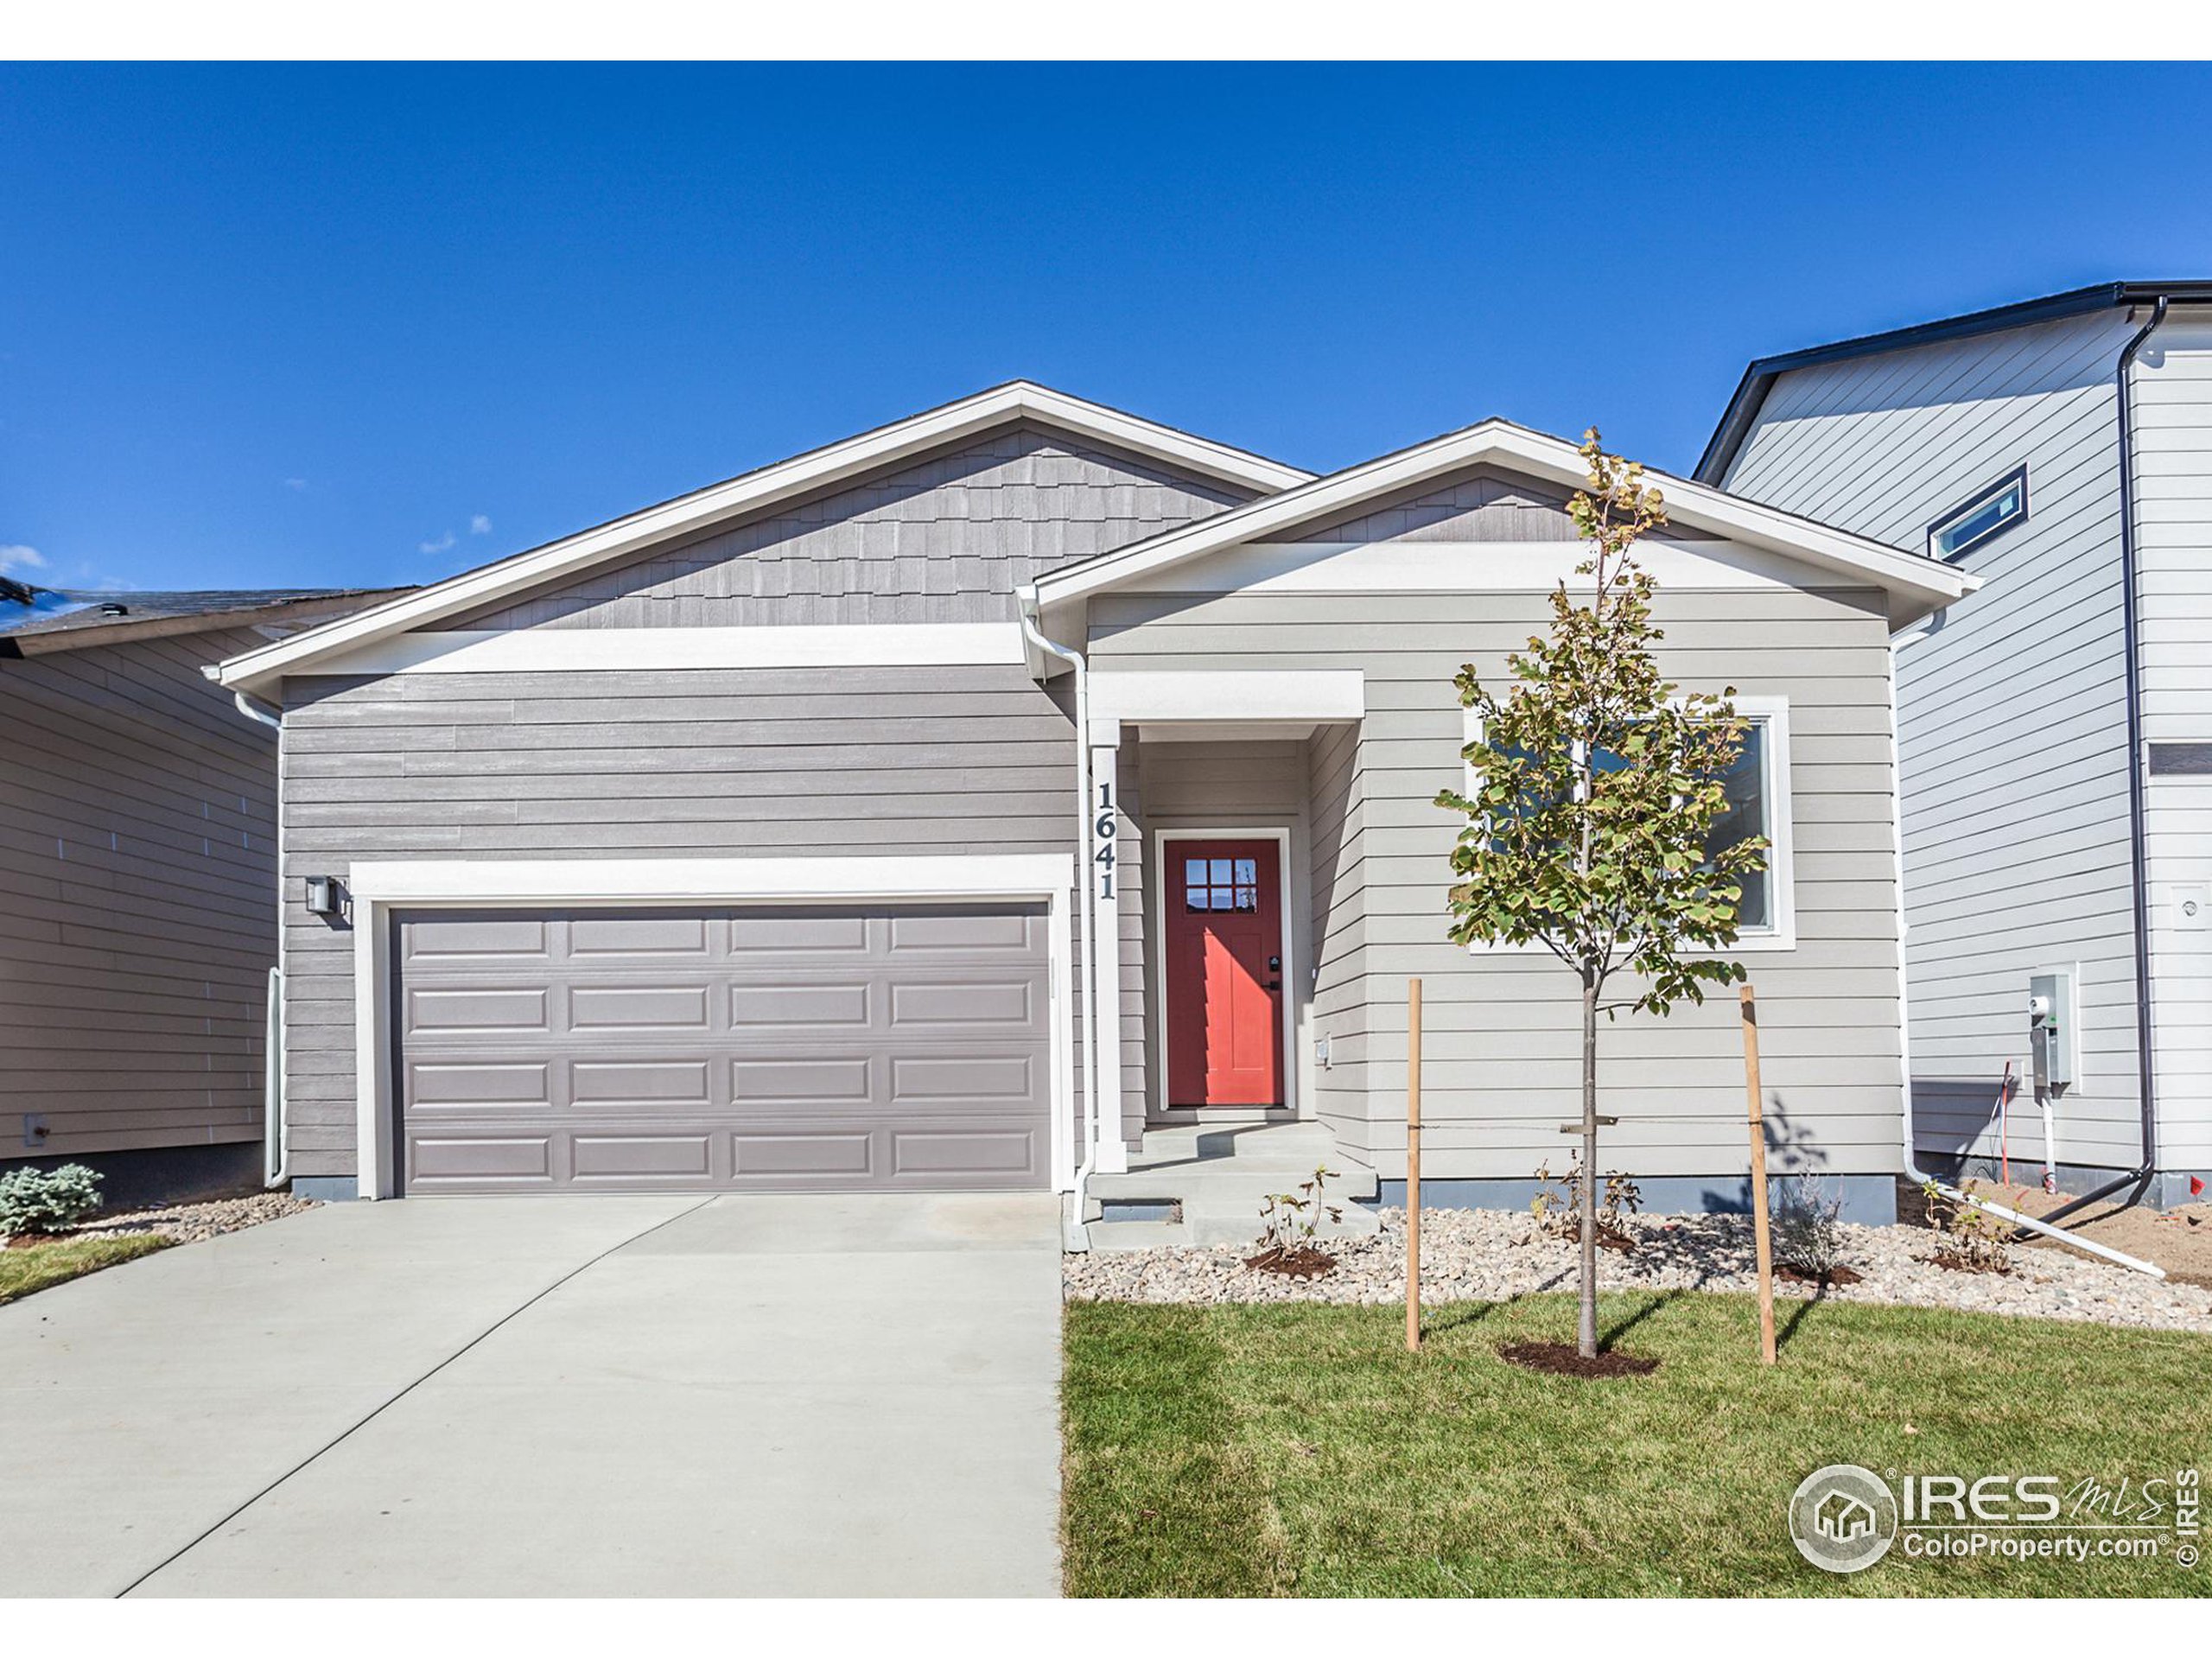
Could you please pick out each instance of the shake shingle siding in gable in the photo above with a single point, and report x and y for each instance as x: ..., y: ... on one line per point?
x: 137, y: 815
x: 2012, y: 714
x: 948, y: 539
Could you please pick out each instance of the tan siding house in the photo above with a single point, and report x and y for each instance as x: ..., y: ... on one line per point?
x: 139, y: 809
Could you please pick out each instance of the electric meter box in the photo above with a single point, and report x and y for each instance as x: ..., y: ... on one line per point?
x: 2050, y: 1004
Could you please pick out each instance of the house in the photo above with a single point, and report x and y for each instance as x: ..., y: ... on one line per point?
x: 2056, y: 727
x: 136, y: 931
x: 795, y: 834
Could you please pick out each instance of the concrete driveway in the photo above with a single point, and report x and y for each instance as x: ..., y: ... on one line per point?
x: 757, y: 1395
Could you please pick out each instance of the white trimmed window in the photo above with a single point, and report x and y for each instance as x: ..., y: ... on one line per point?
x: 1982, y: 516
x: 1757, y: 787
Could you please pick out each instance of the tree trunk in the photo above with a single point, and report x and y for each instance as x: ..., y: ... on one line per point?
x: 1585, y: 1332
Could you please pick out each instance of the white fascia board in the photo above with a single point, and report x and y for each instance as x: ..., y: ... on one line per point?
x: 1191, y: 696
x: 1915, y: 583
x: 685, y: 881
x: 756, y: 491
x: 835, y: 645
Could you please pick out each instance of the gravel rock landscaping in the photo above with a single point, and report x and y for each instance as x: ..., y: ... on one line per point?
x: 188, y: 1224
x: 1496, y: 1256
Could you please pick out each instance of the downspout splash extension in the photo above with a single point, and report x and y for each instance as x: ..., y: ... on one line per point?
x: 1076, y: 1234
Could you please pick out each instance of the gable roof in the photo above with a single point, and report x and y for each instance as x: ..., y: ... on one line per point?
x: 36, y: 620
x: 1751, y: 392
x: 1917, y: 585
x: 763, y: 489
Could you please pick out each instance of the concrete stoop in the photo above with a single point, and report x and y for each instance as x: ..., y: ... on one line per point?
x: 1220, y: 1177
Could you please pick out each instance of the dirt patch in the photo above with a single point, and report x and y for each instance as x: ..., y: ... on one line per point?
x: 1564, y: 1359
x: 1298, y: 1262
x: 2180, y: 1240
x: 1834, y: 1279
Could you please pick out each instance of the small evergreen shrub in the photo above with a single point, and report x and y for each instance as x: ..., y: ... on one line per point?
x: 47, y: 1200
x: 1809, y: 1228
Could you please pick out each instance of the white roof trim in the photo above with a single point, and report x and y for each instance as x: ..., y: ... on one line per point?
x: 1917, y: 585
x: 756, y: 492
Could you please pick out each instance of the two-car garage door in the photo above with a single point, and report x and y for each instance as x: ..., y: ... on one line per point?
x: 818, y: 1049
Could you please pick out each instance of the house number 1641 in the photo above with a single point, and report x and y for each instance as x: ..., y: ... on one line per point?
x: 1103, y: 829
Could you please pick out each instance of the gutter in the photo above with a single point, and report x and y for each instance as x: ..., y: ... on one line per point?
x: 1075, y: 1232
x: 276, y: 1129
x: 2042, y: 1225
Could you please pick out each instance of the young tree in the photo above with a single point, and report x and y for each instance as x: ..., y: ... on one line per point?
x: 1590, y: 821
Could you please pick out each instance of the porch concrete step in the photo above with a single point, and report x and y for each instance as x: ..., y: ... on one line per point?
x: 1255, y: 1145
x: 1137, y: 1235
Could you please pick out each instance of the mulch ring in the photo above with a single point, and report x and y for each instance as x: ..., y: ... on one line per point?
x: 1293, y: 1261
x: 1833, y: 1279
x: 1564, y: 1359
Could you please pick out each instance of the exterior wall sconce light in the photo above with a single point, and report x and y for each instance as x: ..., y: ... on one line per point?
x: 325, y: 896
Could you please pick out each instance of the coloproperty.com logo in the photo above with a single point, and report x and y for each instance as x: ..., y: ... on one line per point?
x: 1844, y: 1518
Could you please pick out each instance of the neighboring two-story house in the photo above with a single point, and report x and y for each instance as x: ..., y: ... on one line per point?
x: 2055, y: 727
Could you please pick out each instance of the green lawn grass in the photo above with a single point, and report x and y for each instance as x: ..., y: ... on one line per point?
x: 1298, y: 1449
x: 35, y: 1267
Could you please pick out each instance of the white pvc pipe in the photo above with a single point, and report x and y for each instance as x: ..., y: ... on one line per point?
x: 1094, y: 1049
x: 1912, y: 1168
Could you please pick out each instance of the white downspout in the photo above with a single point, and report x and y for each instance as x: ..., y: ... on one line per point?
x: 1094, y: 1049
x: 276, y: 1130
x: 1912, y: 1168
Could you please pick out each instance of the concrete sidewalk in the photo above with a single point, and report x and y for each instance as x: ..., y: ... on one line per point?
x: 755, y: 1395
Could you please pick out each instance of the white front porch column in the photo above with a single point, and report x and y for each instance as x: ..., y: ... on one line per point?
x: 1110, y: 851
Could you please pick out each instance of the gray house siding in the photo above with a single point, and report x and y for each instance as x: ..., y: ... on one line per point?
x: 138, y: 814
x: 947, y: 539
x: 860, y: 761
x: 699, y: 763
x: 2011, y: 712
x: 1501, y: 1033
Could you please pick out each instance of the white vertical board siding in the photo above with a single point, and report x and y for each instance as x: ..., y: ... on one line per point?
x: 2171, y: 390
x: 1503, y: 1036
x: 2012, y: 714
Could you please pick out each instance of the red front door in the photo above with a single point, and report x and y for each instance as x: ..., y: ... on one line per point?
x: 1224, y: 909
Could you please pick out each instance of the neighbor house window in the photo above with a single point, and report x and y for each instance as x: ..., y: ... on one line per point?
x: 1990, y: 514
x: 1758, y: 788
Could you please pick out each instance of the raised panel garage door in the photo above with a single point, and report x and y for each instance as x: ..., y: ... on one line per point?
x: 771, y: 1050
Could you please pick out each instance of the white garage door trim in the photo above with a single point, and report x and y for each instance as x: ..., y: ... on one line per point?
x: 379, y: 888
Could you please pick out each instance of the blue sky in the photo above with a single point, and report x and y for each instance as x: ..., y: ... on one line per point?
x: 364, y: 325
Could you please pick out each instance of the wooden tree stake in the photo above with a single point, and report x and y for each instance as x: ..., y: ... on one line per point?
x: 1413, y: 1167
x: 1761, y: 1235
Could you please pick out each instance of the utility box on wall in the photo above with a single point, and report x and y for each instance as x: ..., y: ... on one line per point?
x: 2050, y: 1029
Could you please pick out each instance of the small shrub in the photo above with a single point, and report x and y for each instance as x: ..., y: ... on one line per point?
x: 1558, y: 1205
x: 1969, y: 1238
x: 1288, y: 1222
x: 1290, y: 1219
x: 1808, y: 1230
x: 45, y: 1201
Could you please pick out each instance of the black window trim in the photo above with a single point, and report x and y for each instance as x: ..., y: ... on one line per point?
x: 2018, y: 475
